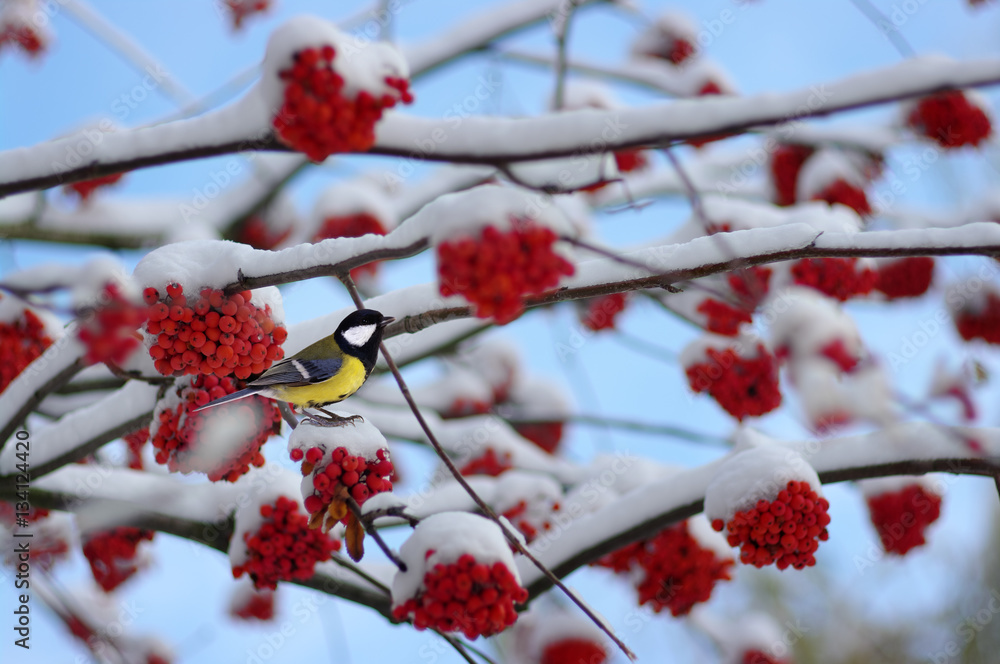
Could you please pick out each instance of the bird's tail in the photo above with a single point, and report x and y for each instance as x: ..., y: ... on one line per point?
x: 240, y: 394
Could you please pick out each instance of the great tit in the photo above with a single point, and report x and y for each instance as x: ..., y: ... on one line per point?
x: 325, y: 372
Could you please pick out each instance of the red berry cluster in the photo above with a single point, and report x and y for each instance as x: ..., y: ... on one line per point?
x: 317, y: 119
x: 743, y: 386
x: 785, y: 531
x: 905, y: 277
x: 285, y: 547
x: 240, y: 9
x: 496, y: 269
x: 723, y: 318
x: 750, y: 285
x: 213, y: 334
x: 845, y: 193
x: 574, y: 651
x: 837, y: 352
x: 8, y: 514
x: 900, y: 517
x: 677, y: 572
x: 85, y: 188
x: 838, y: 278
x: 950, y: 119
x: 529, y: 524
x: 547, y: 435
x: 466, y: 596
x: 176, y: 430
x: 111, y: 554
x: 600, y: 312
x: 22, y: 36
x: 110, y: 331
x: 488, y: 463
x: 134, y: 442
x: 258, y: 605
x: 462, y: 407
x: 631, y: 160
x: 760, y: 657
x: 340, y: 475
x: 20, y: 343
x: 786, y: 162
x: 353, y: 225
x: 980, y: 319
x: 256, y: 233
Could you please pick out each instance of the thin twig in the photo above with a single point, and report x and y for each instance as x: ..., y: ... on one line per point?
x: 633, y: 342
x: 886, y: 27
x: 562, y: 39
x: 632, y: 425
x: 607, y: 253
x: 374, y: 534
x: 514, y: 540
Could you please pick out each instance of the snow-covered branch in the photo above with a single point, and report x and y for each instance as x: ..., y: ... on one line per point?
x: 481, y: 140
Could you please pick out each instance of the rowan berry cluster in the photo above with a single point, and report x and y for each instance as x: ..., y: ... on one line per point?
x: 111, y: 554
x: 980, y: 318
x: 240, y: 9
x: 134, y: 442
x: 574, y: 651
x: 85, y: 188
x: 256, y: 233
x: 8, y: 514
x: 786, y: 162
x: 467, y: 596
x: 839, y: 278
x: 23, y: 36
x: 951, y: 119
x: 284, y: 548
x: 905, y: 277
x: 494, y: 270
x: 317, y: 119
x: 785, y: 530
x: 176, y: 430
x: 547, y: 435
x: 353, y: 225
x: 110, y: 332
x: 339, y: 475
x: 600, y: 312
x: 843, y: 192
x: 901, y: 517
x: 723, y: 318
x: 530, y: 519
x: 760, y: 657
x: 488, y: 463
x: 257, y: 605
x: 743, y: 386
x: 750, y: 285
x: 21, y: 341
x: 677, y: 571
x: 214, y: 334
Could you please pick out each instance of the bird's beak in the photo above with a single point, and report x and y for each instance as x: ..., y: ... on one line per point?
x: 385, y: 321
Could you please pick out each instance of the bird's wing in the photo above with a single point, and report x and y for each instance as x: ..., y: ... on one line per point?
x: 296, y: 373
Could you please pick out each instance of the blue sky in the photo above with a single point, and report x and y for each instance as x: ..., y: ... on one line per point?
x: 770, y: 45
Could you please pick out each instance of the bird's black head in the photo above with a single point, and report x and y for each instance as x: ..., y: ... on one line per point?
x: 360, y: 333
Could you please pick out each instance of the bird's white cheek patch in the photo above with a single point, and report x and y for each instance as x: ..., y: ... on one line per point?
x: 359, y: 336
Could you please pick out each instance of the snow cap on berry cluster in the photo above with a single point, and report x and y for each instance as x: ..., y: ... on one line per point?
x: 738, y: 215
x: 518, y: 486
x: 248, y: 601
x: 467, y: 213
x: 539, y: 398
x: 442, y: 539
x: 199, y: 264
x: 546, y: 624
x: 248, y: 519
x: 19, y: 26
x: 358, y: 196
x: 364, y: 68
x: 459, y: 392
x: 747, y: 342
x: 661, y: 39
x: 880, y: 485
x: 588, y: 94
x: 757, y: 469
x: 497, y: 361
x: 831, y: 398
x: 12, y: 312
x: 829, y: 165
x: 358, y: 438
x: 751, y: 632
x: 807, y: 325
x: 958, y: 384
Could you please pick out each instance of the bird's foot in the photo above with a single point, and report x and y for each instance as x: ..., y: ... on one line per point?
x: 329, y: 419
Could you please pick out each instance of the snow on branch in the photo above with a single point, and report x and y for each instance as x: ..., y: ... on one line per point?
x: 497, y: 141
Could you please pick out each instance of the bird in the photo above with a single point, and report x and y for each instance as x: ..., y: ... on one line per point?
x: 325, y: 372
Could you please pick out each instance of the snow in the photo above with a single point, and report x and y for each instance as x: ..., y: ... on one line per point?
x: 281, y: 482
x: 243, y: 592
x: 744, y: 345
x: 758, y: 473
x: 361, y: 68
x: 358, y: 438
x: 442, y: 539
x: 497, y: 360
x: 804, y: 321
x: 539, y: 398
x: 661, y: 34
x: 12, y: 310
x: 406, y: 200
x: 879, y: 485
x: 546, y: 623
x: 85, y: 424
x: 828, y: 165
x: 708, y: 538
x: 566, y: 173
x: 864, y: 394
x: 358, y: 196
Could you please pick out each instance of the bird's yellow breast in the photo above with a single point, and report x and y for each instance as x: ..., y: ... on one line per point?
x: 346, y: 382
